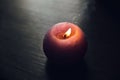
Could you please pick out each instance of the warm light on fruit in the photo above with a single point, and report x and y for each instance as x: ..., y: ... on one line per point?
x: 64, y: 43
x: 67, y: 33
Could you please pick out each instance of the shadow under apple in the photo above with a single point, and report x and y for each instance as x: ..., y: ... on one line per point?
x: 77, y: 71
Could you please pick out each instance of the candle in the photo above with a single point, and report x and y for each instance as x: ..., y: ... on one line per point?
x: 64, y: 43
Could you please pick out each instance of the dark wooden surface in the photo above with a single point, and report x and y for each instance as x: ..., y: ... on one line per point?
x: 23, y: 24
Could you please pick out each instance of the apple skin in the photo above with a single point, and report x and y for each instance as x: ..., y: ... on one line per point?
x: 64, y: 51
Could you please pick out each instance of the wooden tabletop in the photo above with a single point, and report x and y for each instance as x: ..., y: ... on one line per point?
x: 23, y: 24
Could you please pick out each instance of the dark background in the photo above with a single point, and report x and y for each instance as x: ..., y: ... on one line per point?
x: 23, y: 24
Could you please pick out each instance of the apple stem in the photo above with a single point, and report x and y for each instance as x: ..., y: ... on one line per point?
x: 64, y: 36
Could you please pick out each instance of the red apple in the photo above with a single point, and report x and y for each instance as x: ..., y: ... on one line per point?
x: 64, y: 43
